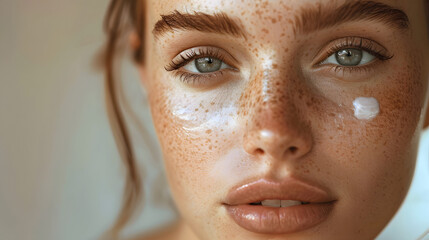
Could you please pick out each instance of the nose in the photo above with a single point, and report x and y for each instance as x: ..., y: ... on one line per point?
x: 276, y: 128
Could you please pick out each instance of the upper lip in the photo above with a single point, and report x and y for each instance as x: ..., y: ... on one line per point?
x: 287, y: 189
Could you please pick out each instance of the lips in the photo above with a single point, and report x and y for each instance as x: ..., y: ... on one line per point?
x: 273, y: 207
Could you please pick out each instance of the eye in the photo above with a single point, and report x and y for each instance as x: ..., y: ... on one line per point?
x: 205, y: 65
x: 349, y: 57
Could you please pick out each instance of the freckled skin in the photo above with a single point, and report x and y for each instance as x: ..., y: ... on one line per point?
x: 211, y: 139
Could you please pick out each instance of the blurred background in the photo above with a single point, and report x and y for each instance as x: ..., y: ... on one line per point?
x: 60, y: 173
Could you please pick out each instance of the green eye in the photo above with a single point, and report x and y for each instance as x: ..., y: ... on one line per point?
x: 205, y: 65
x: 349, y: 57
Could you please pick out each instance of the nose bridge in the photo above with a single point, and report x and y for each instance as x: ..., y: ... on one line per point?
x: 274, y: 126
x: 277, y: 114
x: 270, y: 98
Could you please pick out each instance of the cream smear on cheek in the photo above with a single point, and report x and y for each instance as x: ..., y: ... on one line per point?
x: 194, y: 120
x: 366, y: 108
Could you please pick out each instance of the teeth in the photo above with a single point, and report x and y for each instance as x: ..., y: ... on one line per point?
x: 271, y: 203
x: 279, y: 203
x: 288, y: 203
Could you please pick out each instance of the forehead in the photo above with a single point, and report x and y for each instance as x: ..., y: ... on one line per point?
x: 252, y: 7
x: 303, y: 16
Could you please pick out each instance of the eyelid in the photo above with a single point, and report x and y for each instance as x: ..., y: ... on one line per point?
x: 361, y: 43
x: 190, y: 54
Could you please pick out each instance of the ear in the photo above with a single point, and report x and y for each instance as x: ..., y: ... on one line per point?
x: 135, y: 45
x: 134, y: 41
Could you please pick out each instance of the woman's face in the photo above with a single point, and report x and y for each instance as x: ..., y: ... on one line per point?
x: 317, y: 102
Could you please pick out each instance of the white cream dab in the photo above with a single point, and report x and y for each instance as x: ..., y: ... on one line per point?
x: 366, y: 108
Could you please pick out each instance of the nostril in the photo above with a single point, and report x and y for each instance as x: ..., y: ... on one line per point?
x: 259, y: 151
x: 293, y: 149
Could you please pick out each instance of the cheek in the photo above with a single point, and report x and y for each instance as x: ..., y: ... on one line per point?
x: 372, y: 161
x: 194, y: 129
x: 381, y: 142
x: 395, y: 133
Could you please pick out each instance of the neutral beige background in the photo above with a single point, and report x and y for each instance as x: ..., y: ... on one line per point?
x: 60, y: 173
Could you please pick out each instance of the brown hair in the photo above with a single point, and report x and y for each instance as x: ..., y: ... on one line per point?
x: 122, y: 16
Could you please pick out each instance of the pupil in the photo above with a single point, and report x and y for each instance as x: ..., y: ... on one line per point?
x: 208, y: 64
x: 349, y: 57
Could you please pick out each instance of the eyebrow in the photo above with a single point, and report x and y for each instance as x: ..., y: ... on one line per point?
x: 310, y: 18
x: 318, y: 17
x: 211, y: 23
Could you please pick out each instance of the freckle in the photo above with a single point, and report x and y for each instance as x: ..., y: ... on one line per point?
x: 196, y: 109
x: 212, y: 103
x: 207, y: 110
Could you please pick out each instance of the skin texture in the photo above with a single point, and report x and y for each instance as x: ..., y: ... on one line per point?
x: 277, y: 116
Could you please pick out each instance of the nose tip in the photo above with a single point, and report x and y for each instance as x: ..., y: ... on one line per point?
x: 278, y: 144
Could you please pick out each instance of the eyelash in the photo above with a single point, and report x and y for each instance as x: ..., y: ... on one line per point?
x: 190, y: 55
x: 360, y: 43
x: 196, y: 79
x: 187, y: 56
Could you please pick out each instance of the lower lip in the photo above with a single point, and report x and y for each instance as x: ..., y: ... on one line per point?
x: 279, y: 220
